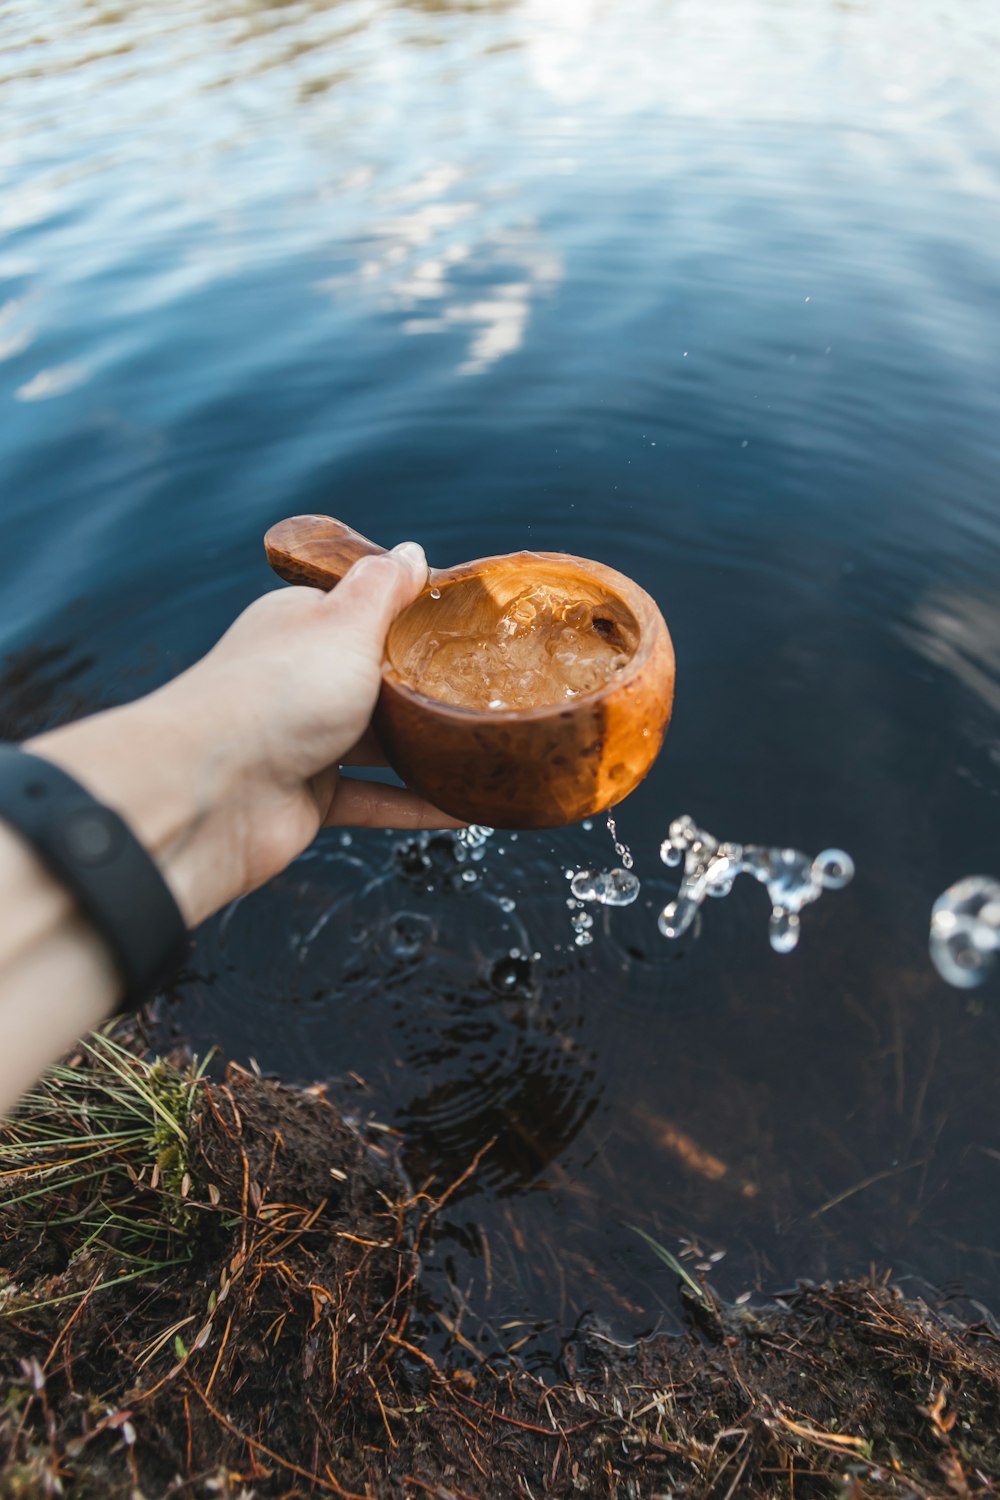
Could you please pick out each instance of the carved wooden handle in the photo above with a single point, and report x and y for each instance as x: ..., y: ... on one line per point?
x: 315, y: 549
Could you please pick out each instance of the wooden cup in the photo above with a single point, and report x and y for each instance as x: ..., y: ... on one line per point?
x: 507, y: 768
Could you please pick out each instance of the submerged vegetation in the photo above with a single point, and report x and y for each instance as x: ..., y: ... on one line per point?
x: 212, y: 1288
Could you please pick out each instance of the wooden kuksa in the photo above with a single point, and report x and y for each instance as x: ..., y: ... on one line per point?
x: 507, y: 768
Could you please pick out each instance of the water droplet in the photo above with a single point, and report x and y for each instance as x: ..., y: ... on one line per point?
x: 783, y: 930
x: 609, y: 887
x: 512, y: 974
x: 665, y: 921
x: 506, y: 903
x: 622, y: 850
x: 435, y: 593
x: 469, y: 876
x: 965, y: 930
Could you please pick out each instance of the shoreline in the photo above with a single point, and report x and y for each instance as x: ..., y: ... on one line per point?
x: 246, y: 1323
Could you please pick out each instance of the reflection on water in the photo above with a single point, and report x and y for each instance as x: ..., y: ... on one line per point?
x: 961, y: 634
x: 707, y: 292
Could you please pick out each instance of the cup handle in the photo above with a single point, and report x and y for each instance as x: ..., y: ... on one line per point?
x: 316, y: 550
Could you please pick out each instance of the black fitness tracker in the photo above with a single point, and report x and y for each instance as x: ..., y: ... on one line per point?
x: 92, y: 851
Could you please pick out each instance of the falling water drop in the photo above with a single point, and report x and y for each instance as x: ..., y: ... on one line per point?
x: 609, y: 887
x: 965, y: 930
x: 783, y: 930
x: 622, y: 849
x: 671, y: 853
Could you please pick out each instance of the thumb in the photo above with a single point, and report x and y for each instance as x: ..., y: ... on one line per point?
x: 374, y: 591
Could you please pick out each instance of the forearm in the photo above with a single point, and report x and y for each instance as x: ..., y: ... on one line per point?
x: 223, y: 776
x: 57, y: 978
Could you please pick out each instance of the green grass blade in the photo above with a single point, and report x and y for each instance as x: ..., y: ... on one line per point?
x: 662, y: 1253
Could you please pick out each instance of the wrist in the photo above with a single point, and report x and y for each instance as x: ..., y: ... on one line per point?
x: 151, y: 765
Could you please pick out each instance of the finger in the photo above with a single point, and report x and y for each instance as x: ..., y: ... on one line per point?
x: 372, y: 804
x: 371, y: 595
x: 367, y: 752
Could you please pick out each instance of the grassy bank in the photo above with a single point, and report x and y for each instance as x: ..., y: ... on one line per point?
x: 210, y: 1289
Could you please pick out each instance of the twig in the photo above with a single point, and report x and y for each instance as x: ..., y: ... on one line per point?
x: 866, y: 1182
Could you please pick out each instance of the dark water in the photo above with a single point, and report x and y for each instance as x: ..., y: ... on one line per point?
x: 710, y: 293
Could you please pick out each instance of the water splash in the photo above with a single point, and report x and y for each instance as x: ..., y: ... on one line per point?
x: 617, y: 887
x: 793, y: 880
x: 965, y: 930
x: 474, y: 836
x: 438, y: 859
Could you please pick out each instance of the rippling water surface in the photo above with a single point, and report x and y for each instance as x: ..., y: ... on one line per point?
x: 710, y: 293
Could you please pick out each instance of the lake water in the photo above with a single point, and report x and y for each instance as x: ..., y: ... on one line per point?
x: 711, y: 293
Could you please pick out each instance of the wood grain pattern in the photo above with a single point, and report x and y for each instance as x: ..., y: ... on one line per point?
x: 510, y: 768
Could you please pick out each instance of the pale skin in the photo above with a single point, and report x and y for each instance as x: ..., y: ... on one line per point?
x: 225, y: 775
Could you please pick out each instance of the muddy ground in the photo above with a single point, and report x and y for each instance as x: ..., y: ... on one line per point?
x: 265, y: 1342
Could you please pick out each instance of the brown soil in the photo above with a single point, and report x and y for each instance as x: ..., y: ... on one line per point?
x: 280, y: 1358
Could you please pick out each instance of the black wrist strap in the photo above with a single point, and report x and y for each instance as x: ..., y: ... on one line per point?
x: 96, y: 856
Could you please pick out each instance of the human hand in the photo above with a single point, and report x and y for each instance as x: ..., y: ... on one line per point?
x: 228, y: 772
